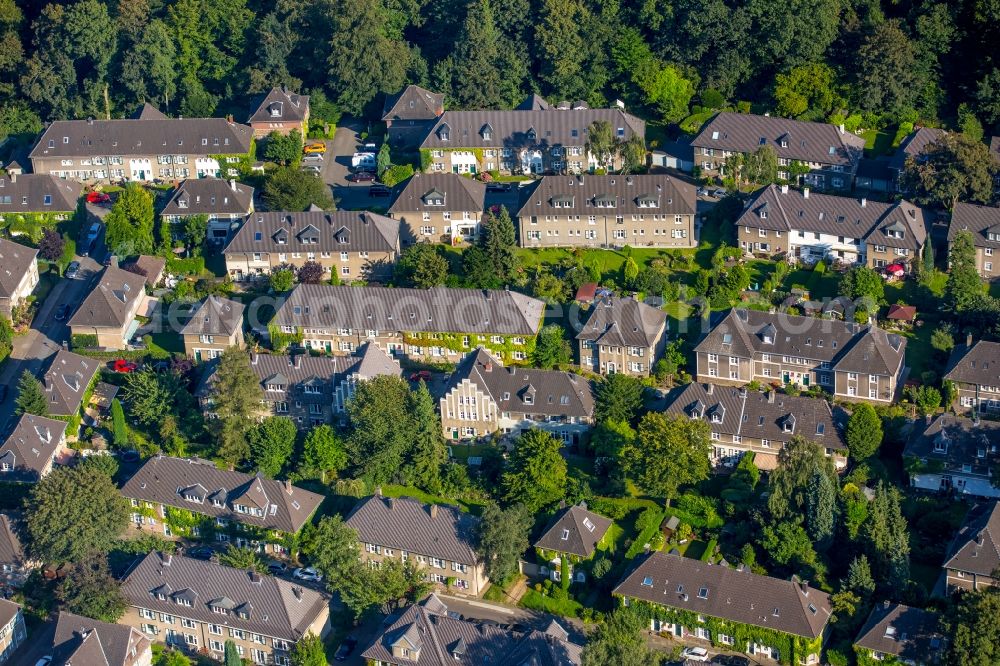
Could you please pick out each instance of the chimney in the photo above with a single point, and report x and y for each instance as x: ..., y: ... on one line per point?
x: 864, y: 202
x: 391, y: 501
x: 288, y: 486
x: 232, y: 184
x: 770, y: 397
x: 298, y: 360
x: 804, y: 586
x: 434, y: 511
x: 805, y: 192
x: 841, y: 128
x: 13, y: 176
x: 489, y: 366
x: 709, y: 389
x: 297, y: 591
x: 784, y: 188
x: 165, y: 558
x: 968, y: 339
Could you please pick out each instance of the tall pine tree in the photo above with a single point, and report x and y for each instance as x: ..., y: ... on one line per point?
x: 964, y: 283
x: 236, y: 398
x: 428, y: 451
x: 499, y: 241
x: 31, y: 396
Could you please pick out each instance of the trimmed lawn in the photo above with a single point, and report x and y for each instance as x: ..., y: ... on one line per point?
x: 538, y: 601
x: 393, y: 490
x: 878, y: 142
x: 819, y: 285
x: 920, y: 356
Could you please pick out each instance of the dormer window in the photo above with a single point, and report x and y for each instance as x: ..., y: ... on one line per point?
x: 444, y: 132
x: 531, y: 133
x: 486, y: 132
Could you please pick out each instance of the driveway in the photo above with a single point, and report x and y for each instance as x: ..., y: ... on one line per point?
x: 337, y: 166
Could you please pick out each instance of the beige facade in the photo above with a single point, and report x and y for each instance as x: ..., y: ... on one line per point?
x: 610, y: 359
x: 446, y: 226
x: 13, y: 633
x: 111, y: 336
x: 347, y: 266
x: 465, y: 578
x: 23, y: 289
x: 205, y: 347
x: 608, y: 230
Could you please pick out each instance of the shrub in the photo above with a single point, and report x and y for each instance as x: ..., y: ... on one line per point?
x: 648, y: 520
x: 396, y: 174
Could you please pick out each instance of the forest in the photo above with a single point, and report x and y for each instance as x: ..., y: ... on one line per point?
x: 882, y: 63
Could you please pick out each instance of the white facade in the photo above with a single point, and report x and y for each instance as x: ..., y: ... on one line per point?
x: 816, y: 245
x: 973, y: 486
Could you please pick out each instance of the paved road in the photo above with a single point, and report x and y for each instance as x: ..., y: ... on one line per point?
x: 337, y: 166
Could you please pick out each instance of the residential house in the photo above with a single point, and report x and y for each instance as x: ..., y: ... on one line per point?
x: 37, y: 194
x: 226, y: 203
x: 436, y: 537
x: 851, y: 361
x: 426, y: 634
x: 912, y: 147
x: 68, y: 381
x: 151, y: 147
x: 574, y: 533
x: 32, y: 448
x: 874, y: 175
x: 215, y: 325
x: 609, y: 211
x: 81, y: 641
x: 198, y: 606
x: 827, y: 153
x: 440, y: 325
x: 149, y: 266
x: 282, y: 111
x: 974, y: 369
x: 482, y: 397
x: 622, y: 335
x: 954, y: 453
x: 18, y: 274
x: 192, y: 498
x: 787, y: 619
x: 107, y: 316
x: 536, y: 140
x: 14, y: 564
x: 974, y: 554
x: 312, y: 390
x: 810, y: 227
x: 983, y: 222
x: 901, y: 634
x: 439, y: 207
x: 12, y: 629
x: 353, y: 245
x: 410, y: 114
x: 762, y: 422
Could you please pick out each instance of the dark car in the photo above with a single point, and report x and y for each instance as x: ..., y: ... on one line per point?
x: 361, y: 177
x: 730, y: 660
x: 62, y: 312
x: 345, y: 649
x: 201, y: 553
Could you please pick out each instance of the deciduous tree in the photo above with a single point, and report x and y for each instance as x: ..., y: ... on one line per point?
x: 309, y: 651
x: 536, y: 471
x: 551, y: 348
x: 242, y: 558
x: 797, y: 462
x: 130, y: 222
x: 864, y: 432
x: 421, y: 265
x: 670, y: 451
x: 284, y: 148
x: 90, y: 590
x: 964, y: 283
x: 502, y: 537
x: 236, y: 399
x: 288, y: 188
x: 271, y: 444
x: 953, y: 168
x: 323, y: 452
x: 620, y: 640
x: 617, y: 397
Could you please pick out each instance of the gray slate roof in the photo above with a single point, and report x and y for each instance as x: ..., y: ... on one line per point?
x: 28, y: 192
x: 30, y: 446
x: 445, y: 641
x: 552, y: 127
x: 166, y: 480
x: 760, y: 415
x: 847, y: 346
x: 11, y: 550
x: 804, y: 141
x: 280, y: 105
x: 574, y: 530
x: 277, y: 607
x: 775, y: 209
x: 413, y: 103
x: 215, y: 316
x: 147, y: 112
x: 980, y: 220
x: 15, y: 261
x: 402, y: 523
x: 912, y: 634
x: 211, y: 196
x: 962, y: 441
x: 738, y: 596
x: 108, y: 304
x: 623, y: 322
x: 8, y: 611
x: 913, y: 145
x: 81, y: 641
x: 978, y: 364
x: 145, y: 136
x: 976, y: 546
x: 552, y: 392
x: 316, y: 231
x: 67, y: 380
x: 657, y: 194
x: 459, y: 193
x: 438, y: 310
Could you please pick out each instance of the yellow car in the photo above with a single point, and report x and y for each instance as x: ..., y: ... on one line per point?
x: 317, y: 148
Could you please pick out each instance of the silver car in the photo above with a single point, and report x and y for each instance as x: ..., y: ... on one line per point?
x: 312, y: 168
x: 312, y: 157
x: 73, y: 270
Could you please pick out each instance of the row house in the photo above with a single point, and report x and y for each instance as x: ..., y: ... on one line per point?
x: 810, y: 227
x: 827, y: 153
x: 280, y: 110
x: 108, y: 313
x: 609, y: 212
x: 983, y: 222
x: 973, y: 556
x: 896, y: 633
x: 15, y: 564
x: 742, y: 420
x: 226, y: 204
x: 482, y: 397
x: 198, y: 606
x: 13, y: 631
x: 68, y: 381
x: 34, y: 194
x: 18, y: 275
x: 311, y: 390
x: 438, y: 538
x: 410, y: 114
x: 682, y: 595
x: 848, y: 360
x: 428, y: 634
x: 438, y: 325
x: 34, y: 445
x: 348, y: 244
x: 537, y: 140
x: 148, y: 148
x: 192, y: 498
x: 622, y: 335
x: 215, y: 325
x: 79, y: 640
x: 439, y: 208
x: 974, y: 370
x: 956, y: 454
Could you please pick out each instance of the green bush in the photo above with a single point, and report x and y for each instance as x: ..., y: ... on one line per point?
x: 396, y: 174
x: 82, y: 341
x: 190, y: 266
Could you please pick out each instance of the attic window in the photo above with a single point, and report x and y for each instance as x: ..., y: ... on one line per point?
x: 565, y: 535
x: 812, y: 609
x: 763, y: 140
x: 833, y: 150
x: 820, y: 428
x: 648, y: 581
x: 703, y: 593
x: 715, y: 135
x: 589, y: 524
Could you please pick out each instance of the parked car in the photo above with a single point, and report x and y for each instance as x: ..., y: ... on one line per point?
x: 361, y: 177
x: 312, y: 168
x: 307, y: 573
x: 424, y: 375
x: 73, y: 270
x: 369, y: 147
x: 98, y: 197
x: 313, y: 157
x: 276, y: 568
x: 315, y: 148
x: 731, y: 660
x: 62, y: 312
x: 44, y: 661
x: 201, y: 553
x: 379, y: 191
x: 345, y: 649
x: 363, y: 161
x: 124, y: 366
x: 702, y: 192
x: 694, y: 654
x: 92, y: 234
x: 720, y: 192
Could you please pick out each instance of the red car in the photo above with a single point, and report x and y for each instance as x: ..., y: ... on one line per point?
x: 362, y: 177
x: 121, y: 365
x: 98, y: 198
x: 421, y: 375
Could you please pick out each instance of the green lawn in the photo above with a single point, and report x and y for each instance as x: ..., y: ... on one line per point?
x: 393, y: 490
x: 538, y: 601
x: 820, y: 285
x: 879, y: 142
